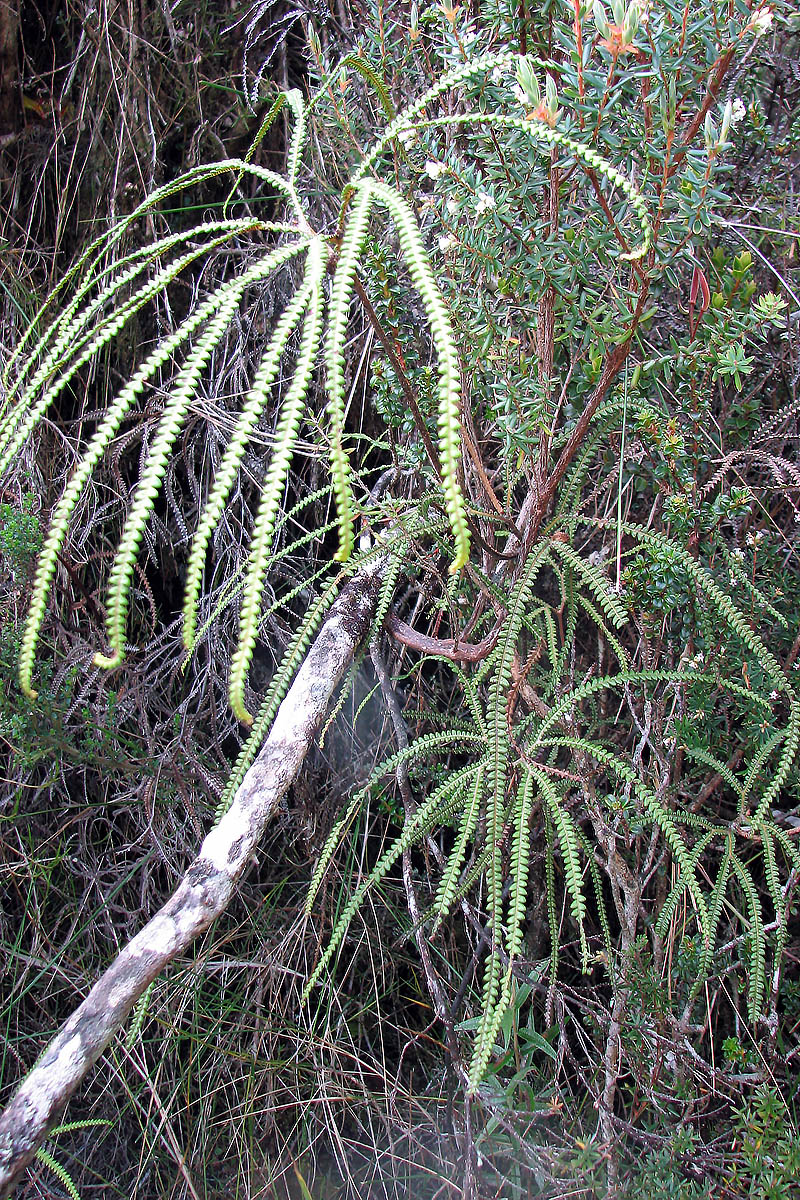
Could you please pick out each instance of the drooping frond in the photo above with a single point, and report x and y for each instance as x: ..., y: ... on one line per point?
x: 285, y: 439
x: 339, y: 308
x: 449, y: 408
x: 246, y: 422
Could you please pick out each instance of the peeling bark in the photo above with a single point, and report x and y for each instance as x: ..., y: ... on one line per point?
x: 203, y: 894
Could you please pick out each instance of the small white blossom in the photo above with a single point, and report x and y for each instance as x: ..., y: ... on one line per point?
x: 497, y: 75
x: 774, y: 694
x: 485, y: 201
x: 522, y: 96
x: 452, y: 205
x: 737, y: 554
x: 761, y: 20
x: 446, y: 242
x: 738, y: 111
x: 433, y: 169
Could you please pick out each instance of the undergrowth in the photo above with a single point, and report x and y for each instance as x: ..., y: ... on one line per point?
x: 509, y: 296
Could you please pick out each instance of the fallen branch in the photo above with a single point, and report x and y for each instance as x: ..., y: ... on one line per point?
x: 205, y: 891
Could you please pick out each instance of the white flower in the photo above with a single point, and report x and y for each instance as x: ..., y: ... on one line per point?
x: 761, y: 20
x: 485, y: 201
x: 433, y: 169
x: 446, y: 242
x: 522, y: 96
x: 738, y: 111
x: 497, y: 75
x: 452, y: 205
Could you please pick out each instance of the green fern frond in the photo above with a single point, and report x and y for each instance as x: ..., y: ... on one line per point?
x: 246, y: 422
x: 63, y: 1174
x: 666, y: 821
x: 449, y: 389
x: 757, y: 974
x: 700, y: 754
x: 138, y: 1016
x: 114, y: 415
x: 422, y: 747
x: 597, y: 583
x: 332, y: 842
x: 279, y: 686
x: 339, y: 310
x: 455, y: 860
x: 614, y: 642
x: 75, y: 348
x: 570, y: 843
x: 436, y: 808
x: 285, y: 439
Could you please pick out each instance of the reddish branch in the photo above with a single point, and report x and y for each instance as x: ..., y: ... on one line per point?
x: 204, y: 893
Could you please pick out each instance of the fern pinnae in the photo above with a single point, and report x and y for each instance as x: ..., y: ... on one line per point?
x: 668, y: 906
x: 715, y: 912
x: 597, y: 583
x: 662, y: 817
x: 785, y: 763
x: 353, y: 239
x: 180, y: 396
x: 422, y: 747
x: 520, y: 860
x: 449, y: 410
x: 597, y: 883
x: 279, y: 686
x: 285, y: 439
x: 773, y: 878
x: 757, y: 974
x: 570, y: 843
x: 65, y: 335
x: 757, y: 763
x: 26, y: 415
x: 614, y: 642
x: 710, y: 760
x: 520, y: 863
x: 237, y: 445
x: 446, y: 890
x: 59, y: 1171
x: 433, y: 809
x: 59, y: 521
x: 332, y: 842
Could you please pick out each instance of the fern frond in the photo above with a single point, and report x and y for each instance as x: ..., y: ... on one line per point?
x: 614, y: 642
x: 285, y: 439
x: 449, y: 411
x: 329, y: 848
x: 666, y: 821
x: 75, y: 348
x: 48, y: 558
x: 279, y: 686
x: 245, y: 424
x: 339, y: 310
x: 570, y: 842
x: 710, y: 760
x: 181, y: 395
x: 455, y: 860
x: 597, y: 583
x: 422, y: 747
x: 61, y: 1172
x: 757, y: 973
x: 433, y: 810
